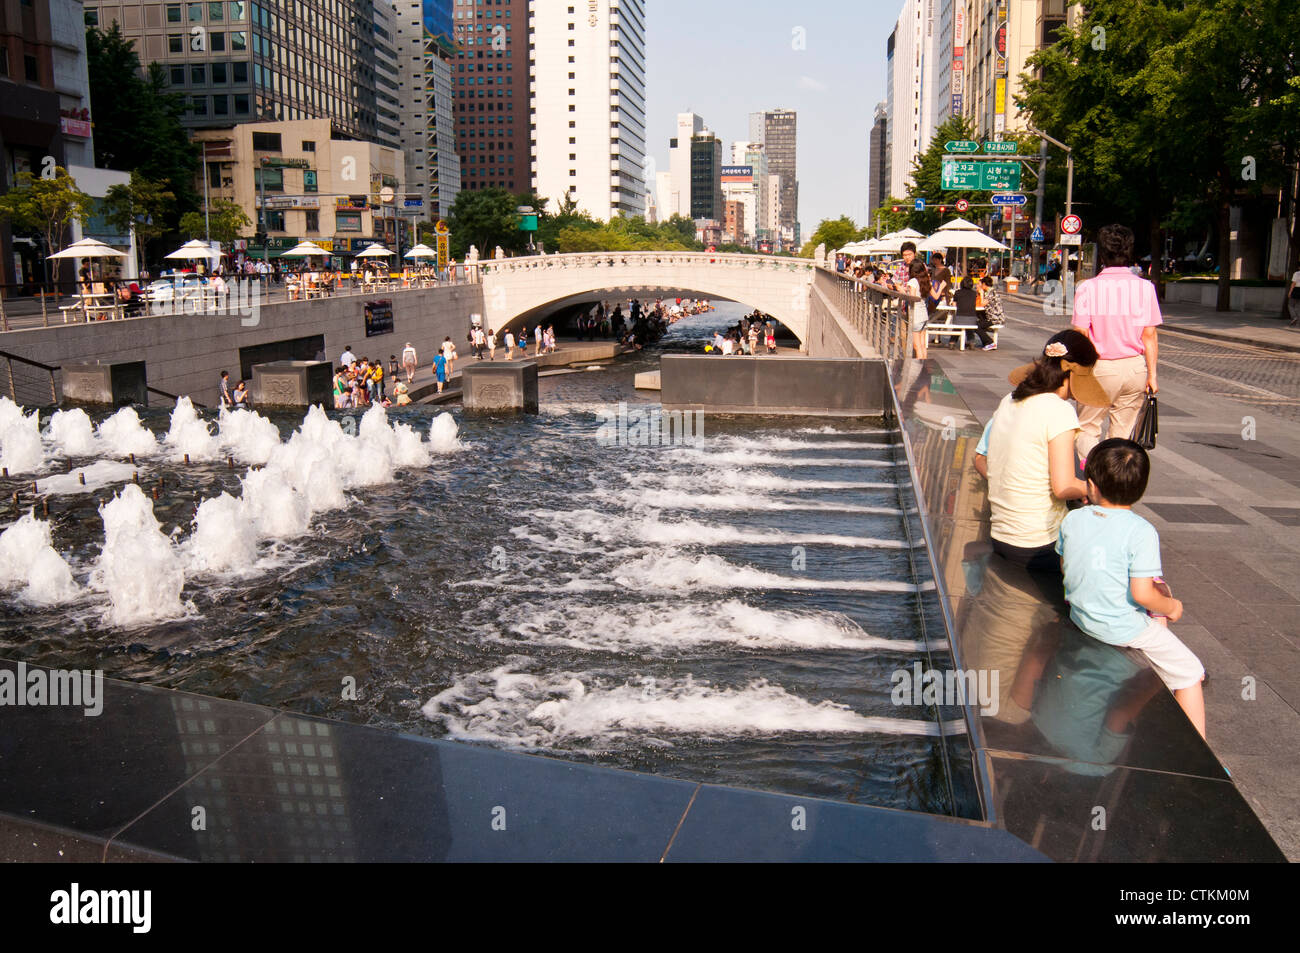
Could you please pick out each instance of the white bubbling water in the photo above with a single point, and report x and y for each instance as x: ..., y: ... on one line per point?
x: 20, y: 439
x: 189, y: 435
x: 660, y: 571
x: 28, y: 559
x: 556, y: 709
x: 101, y: 473
x: 249, y: 436
x: 738, y: 479
x: 610, y: 528
x: 670, y: 628
x: 123, y: 435
x: 443, y: 434
x: 703, y: 500
x: 72, y: 433
x: 749, y: 458
x: 139, y: 566
x: 224, y: 537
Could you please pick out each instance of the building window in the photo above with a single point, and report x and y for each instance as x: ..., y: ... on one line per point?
x: 31, y: 69
x: 199, y: 105
x: 266, y: 141
x: 217, y: 42
x: 220, y: 106
x: 173, y: 13
x: 237, y: 10
x: 216, y: 11
x: 92, y: 18
x: 313, y: 220
x: 239, y: 40
x: 196, y: 12
x: 239, y: 72
x: 241, y: 101
x: 273, y: 179
x: 273, y: 220
x: 178, y: 75
x: 218, y: 72
x: 198, y: 75
x: 175, y: 43
x: 308, y: 145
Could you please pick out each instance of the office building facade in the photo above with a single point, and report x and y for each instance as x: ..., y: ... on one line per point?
x: 490, y: 81
x: 426, y: 47
x: 706, y: 177
x: 587, y: 105
x: 780, y: 141
x: 913, y: 65
x: 878, y: 160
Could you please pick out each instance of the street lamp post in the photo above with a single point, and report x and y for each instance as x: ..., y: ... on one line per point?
x: 207, y: 229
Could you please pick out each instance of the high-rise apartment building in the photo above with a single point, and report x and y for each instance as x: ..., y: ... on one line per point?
x: 689, y: 126
x: 999, y: 37
x: 780, y: 140
x: 913, y: 64
x: 878, y: 160
x: 426, y: 46
x: 706, y: 177
x: 491, y: 82
x: 388, y: 104
x: 588, y: 104
x: 247, y: 61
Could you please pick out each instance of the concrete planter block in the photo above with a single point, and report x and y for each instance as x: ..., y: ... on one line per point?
x: 292, y: 384
x: 111, y: 384
x: 779, y: 386
x: 500, y: 385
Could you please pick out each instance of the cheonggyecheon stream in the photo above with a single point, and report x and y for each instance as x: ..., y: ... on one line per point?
x: 728, y: 610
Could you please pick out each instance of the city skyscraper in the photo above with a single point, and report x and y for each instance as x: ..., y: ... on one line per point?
x: 388, y: 103
x: 689, y: 126
x: 878, y: 160
x: 588, y: 104
x: 910, y: 53
x: 780, y: 140
x: 490, y: 77
x: 706, y: 177
x: 239, y: 61
x: 425, y: 46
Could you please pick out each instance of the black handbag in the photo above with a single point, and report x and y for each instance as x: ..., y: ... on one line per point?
x: 1148, y: 423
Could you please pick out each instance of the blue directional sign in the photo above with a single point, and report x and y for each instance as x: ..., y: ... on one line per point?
x: 1036, y: 235
x: 1008, y: 198
x: 919, y: 205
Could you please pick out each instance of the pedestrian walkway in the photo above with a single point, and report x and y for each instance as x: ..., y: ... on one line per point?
x: 424, y: 387
x: 1259, y: 328
x: 1225, y: 498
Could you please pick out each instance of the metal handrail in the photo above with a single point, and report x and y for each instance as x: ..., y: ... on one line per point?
x: 9, y: 360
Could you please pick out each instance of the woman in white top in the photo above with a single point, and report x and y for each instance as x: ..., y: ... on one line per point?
x: 918, y: 283
x: 492, y: 344
x: 510, y: 346
x: 450, y: 355
x: 1027, y: 451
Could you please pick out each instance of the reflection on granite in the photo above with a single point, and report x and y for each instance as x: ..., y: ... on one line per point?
x: 303, y: 789
x: 725, y: 824
x: 1078, y: 725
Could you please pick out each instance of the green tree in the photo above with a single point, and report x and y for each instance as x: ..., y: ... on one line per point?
x: 927, y: 179
x: 484, y: 218
x: 141, y: 206
x: 46, y: 207
x: 888, y: 219
x: 834, y: 233
x: 225, y: 222
x: 137, y: 120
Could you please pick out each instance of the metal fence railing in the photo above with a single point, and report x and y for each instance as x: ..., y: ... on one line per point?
x: 28, y: 382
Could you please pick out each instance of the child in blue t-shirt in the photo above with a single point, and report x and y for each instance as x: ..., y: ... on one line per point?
x: 1110, y: 557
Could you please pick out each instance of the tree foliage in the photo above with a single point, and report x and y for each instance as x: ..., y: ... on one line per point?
x: 141, y: 205
x: 833, y: 233
x: 137, y: 120
x: 225, y: 222
x: 46, y: 207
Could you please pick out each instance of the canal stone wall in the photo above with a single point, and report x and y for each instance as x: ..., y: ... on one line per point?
x: 837, y: 387
x: 184, y: 354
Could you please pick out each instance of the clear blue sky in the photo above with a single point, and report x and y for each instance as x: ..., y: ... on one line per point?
x: 724, y: 60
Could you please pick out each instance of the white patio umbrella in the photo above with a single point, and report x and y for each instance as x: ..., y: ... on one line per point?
x: 89, y: 248
x: 906, y: 234
x: 305, y: 250
x: 193, y: 249
x: 421, y: 251
x: 376, y: 250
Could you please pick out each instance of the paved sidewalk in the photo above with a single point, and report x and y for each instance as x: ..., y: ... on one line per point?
x: 1260, y: 328
x: 1225, y: 498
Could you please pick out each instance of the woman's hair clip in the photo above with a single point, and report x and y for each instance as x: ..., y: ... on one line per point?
x: 1056, y: 349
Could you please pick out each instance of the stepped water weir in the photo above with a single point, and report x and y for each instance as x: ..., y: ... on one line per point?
x: 679, y: 606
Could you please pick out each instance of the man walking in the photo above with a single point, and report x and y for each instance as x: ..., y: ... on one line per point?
x: 1120, y: 313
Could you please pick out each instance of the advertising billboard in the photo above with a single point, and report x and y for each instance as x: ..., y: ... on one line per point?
x: 737, y: 173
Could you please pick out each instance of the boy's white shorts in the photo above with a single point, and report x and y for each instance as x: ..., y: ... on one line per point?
x: 1176, y: 664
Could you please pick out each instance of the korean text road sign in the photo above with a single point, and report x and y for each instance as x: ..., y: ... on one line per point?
x: 1007, y: 147
x: 962, y: 145
x: 1008, y: 198
x: 963, y: 175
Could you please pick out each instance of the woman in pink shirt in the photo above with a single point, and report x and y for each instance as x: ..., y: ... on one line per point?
x: 1118, y: 310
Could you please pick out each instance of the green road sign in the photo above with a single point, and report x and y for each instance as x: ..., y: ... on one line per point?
x: 963, y: 175
x: 1000, y: 176
x: 962, y: 145
x: 960, y: 176
x: 1000, y: 148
